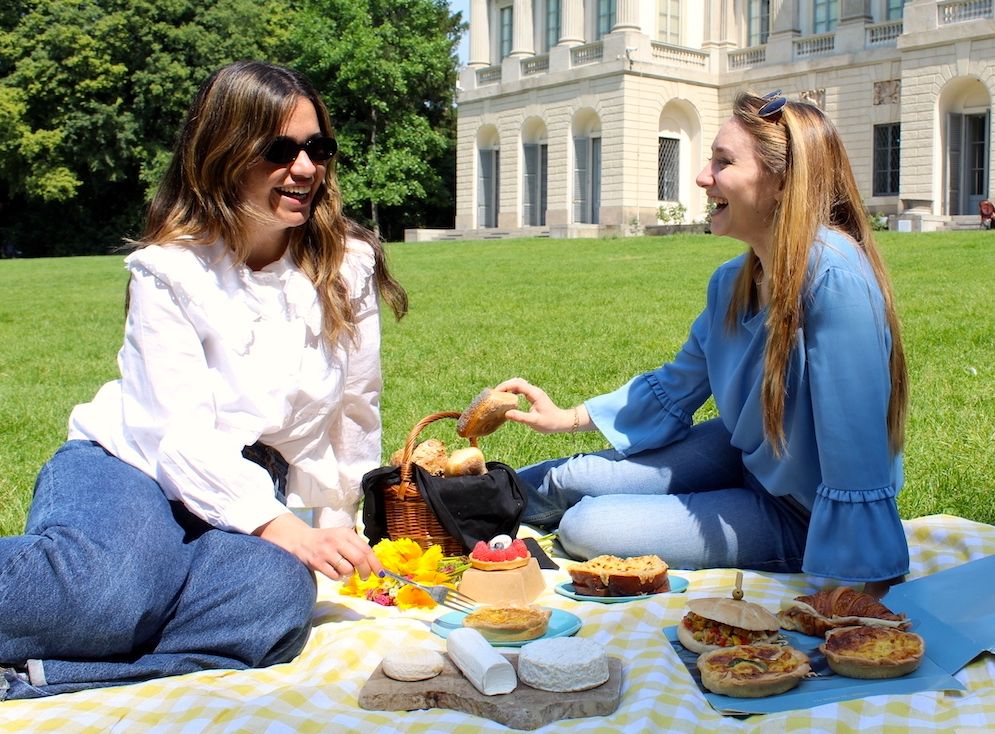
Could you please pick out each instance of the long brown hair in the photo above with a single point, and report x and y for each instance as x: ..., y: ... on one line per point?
x: 236, y: 113
x: 801, y: 149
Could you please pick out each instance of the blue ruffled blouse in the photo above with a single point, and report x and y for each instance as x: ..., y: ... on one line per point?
x: 837, y: 464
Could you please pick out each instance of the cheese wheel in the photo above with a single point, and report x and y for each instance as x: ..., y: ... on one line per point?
x: 412, y: 663
x: 562, y: 664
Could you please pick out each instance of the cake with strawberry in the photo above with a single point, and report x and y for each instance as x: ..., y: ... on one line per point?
x: 500, y: 554
x: 502, y: 571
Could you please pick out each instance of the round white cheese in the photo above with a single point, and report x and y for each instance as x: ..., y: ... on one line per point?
x: 563, y: 664
x: 412, y: 663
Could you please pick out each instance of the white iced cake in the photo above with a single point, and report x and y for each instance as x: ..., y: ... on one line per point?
x: 563, y: 664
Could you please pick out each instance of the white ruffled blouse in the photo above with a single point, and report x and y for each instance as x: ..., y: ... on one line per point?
x: 217, y: 356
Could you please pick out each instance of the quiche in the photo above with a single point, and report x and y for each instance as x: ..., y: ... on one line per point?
x: 752, y: 671
x: 509, y: 623
x: 872, y: 652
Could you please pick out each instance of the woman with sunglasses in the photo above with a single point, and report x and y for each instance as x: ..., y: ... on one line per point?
x: 159, y: 540
x: 798, y: 343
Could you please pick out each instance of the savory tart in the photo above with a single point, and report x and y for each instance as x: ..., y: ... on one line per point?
x: 510, y: 623
x: 872, y: 652
x: 752, y: 671
x: 614, y: 576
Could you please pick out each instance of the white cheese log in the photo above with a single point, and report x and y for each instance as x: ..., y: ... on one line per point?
x: 488, y: 670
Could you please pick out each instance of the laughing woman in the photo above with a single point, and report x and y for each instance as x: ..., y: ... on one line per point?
x: 159, y: 539
x: 799, y: 344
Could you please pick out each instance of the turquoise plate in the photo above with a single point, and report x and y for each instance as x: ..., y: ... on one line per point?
x: 677, y: 585
x: 561, y: 624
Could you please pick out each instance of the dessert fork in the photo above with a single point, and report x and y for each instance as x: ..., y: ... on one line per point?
x: 440, y: 593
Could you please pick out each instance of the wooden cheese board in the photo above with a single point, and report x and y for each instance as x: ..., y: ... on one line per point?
x: 523, y: 708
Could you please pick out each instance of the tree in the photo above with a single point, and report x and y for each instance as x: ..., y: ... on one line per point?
x: 387, y: 69
x: 91, y: 96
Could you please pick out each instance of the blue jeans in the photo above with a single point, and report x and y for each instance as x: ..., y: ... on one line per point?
x: 112, y: 584
x: 692, y: 503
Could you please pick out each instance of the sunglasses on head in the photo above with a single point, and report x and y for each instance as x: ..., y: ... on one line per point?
x: 284, y: 150
x: 773, y: 104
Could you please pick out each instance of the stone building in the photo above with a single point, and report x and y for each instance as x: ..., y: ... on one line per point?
x: 593, y: 117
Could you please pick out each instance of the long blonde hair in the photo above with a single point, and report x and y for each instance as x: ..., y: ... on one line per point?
x: 800, y: 148
x: 235, y: 115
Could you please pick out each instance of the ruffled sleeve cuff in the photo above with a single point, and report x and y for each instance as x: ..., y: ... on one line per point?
x: 638, y: 416
x: 856, y: 536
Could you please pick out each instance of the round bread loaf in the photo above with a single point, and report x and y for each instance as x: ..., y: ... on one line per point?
x: 430, y: 455
x: 563, y: 664
x: 613, y: 576
x: 412, y: 663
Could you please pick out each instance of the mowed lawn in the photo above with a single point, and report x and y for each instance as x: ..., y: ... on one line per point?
x: 577, y: 317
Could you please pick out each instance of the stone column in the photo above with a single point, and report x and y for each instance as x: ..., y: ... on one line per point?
x: 572, y: 23
x: 626, y: 16
x: 480, y: 34
x: 522, y: 43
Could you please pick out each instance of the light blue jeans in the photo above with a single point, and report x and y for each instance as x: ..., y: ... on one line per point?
x: 692, y: 503
x: 112, y: 584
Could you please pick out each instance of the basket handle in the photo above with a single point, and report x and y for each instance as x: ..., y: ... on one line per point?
x: 409, y: 445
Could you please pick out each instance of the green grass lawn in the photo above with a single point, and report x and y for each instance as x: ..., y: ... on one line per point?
x: 577, y: 317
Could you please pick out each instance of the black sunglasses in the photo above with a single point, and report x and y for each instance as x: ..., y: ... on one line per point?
x: 773, y: 104
x: 285, y: 150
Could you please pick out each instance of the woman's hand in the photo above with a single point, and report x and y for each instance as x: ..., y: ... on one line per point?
x: 334, y: 552
x: 544, y: 416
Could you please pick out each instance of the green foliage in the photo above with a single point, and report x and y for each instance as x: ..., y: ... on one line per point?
x: 672, y: 213
x: 388, y: 79
x: 91, y: 96
x: 582, y: 318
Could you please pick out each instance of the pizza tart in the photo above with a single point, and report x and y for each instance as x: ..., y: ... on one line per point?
x: 752, y: 671
x: 872, y: 652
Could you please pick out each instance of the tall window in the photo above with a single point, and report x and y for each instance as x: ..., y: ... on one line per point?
x: 668, y: 169
x: 488, y: 185
x: 887, y: 157
x: 894, y: 9
x: 759, y: 22
x: 825, y: 15
x: 587, y: 180
x: 536, y: 159
x: 669, y: 21
x: 506, y: 27
x: 553, y: 20
x: 606, y: 18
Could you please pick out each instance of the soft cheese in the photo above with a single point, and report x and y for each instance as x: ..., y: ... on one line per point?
x: 563, y: 664
x: 489, y: 671
x: 412, y: 663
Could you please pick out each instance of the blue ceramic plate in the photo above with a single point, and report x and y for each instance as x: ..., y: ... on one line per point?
x: 677, y: 585
x: 561, y: 624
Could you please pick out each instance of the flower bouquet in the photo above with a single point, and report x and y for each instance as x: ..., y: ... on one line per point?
x: 406, y: 558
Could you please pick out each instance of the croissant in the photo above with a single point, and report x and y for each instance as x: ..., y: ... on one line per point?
x: 818, y: 613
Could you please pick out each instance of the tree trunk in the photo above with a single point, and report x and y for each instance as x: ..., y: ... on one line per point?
x: 374, y: 206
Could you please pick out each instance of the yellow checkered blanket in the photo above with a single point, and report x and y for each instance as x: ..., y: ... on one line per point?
x: 318, y: 691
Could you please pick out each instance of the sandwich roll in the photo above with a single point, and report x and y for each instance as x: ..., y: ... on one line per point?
x: 717, y: 622
x: 490, y: 672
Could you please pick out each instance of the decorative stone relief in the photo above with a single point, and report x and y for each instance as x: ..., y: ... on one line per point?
x: 816, y: 97
x: 888, y: 92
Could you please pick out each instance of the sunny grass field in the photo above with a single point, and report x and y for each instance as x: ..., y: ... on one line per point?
x: 577, y: 317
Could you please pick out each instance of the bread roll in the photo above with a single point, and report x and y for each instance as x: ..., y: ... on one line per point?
x: 430, y: 455
x: 465, y: 462
x: 485, y: 413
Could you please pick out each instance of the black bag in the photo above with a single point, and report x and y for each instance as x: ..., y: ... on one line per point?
x: 468, y: 508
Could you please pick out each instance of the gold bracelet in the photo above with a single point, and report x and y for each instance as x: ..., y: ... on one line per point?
x: 576, y: 424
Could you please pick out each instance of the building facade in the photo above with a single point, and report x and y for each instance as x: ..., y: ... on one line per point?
x: 593, y: 117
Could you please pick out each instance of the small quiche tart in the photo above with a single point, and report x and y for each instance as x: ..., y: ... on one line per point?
x: 752, y: 671
x: 872, y: 652
x: 509, y: 623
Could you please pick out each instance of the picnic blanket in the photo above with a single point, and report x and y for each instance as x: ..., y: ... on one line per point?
x: 318, y: 691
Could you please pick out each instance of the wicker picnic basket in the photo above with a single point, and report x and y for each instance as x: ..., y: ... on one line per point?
x: 408, y: 516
